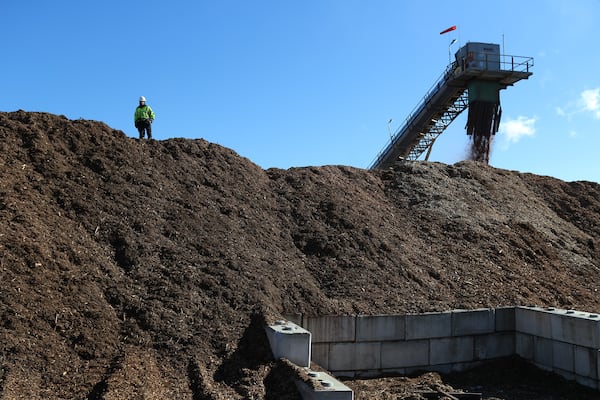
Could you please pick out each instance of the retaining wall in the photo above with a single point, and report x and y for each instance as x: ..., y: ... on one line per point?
x: 566, y: 342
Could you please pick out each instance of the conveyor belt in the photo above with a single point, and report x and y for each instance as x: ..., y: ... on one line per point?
x: 442, y: 104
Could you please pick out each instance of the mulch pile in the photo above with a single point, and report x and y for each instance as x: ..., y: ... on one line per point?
x: 147, y: 269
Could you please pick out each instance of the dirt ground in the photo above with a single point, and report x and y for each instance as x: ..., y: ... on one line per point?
x: 147, y: 269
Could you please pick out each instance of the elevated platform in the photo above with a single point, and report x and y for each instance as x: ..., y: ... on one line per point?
x: 447, y: 98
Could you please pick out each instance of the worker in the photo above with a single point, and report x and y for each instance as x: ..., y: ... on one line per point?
x: 143, y: 118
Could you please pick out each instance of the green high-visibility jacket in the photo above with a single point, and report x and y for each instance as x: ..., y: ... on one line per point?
x: 143, y: 112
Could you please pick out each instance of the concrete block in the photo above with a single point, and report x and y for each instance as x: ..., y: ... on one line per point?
x: 598, y: 366
x: 368, y: 374
x: 290, y: 341
x: 412, y: 353
x: 341, y: 356
x: 332, y: 328
x: 505, y: 319
x: 320, y: 354
x: 455, y: 367
x: 428, y: 325
x: 395, y: 372
x: 443, y: 369
x: 494, y: 346
x: 582, y: 329
x: 543, y: 367
x: 466, y: 366
x: 586, y: 362
x: 354, y: 356
x: 542, y: 353
x: 563, y: 355
x: 534, y: 321
x: 323, y: 386
x: 524, y: 345
x: 451, y: 350
x: 472, y: 322
x: 588, y: 382
x: 345, y: 374
x: 380, y: 328
x: 295, y: 318
x: 568, y: 375
x: 367, y: 356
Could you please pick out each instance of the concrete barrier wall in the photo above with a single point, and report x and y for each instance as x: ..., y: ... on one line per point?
x: 563, y: 341
x: 290, y: 341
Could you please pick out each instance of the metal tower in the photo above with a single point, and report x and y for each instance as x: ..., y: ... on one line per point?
x: 466, y: 81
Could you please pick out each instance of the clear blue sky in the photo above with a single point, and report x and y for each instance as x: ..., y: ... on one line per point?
x: 313, y: 82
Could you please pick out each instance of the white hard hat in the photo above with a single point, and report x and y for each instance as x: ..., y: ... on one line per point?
x: 142, y: 98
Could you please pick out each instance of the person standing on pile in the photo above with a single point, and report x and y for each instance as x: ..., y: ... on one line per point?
x: 143, y: 118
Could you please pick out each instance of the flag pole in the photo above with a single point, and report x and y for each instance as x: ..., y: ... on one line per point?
x: 450, y: 45
x: 452, y: 28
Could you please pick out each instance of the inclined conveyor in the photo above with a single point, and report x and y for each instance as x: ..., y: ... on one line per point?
x: 474, y: 63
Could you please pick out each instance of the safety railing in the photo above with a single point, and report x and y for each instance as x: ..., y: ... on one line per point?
x: 448, y: 72
x: 515, y: 63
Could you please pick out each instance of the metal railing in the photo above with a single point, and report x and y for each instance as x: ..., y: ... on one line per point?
x: 433, y: 89
x: 516, y: 63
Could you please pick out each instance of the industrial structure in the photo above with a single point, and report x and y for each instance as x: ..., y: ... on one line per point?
x: 473, y: 81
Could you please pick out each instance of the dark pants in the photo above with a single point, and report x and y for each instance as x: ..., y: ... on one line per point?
x: 144, y: 126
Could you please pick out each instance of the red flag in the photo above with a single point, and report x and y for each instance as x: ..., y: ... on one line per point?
x: 452, y: 28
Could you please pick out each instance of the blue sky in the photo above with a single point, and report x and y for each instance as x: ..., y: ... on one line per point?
x: 313, y: 82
